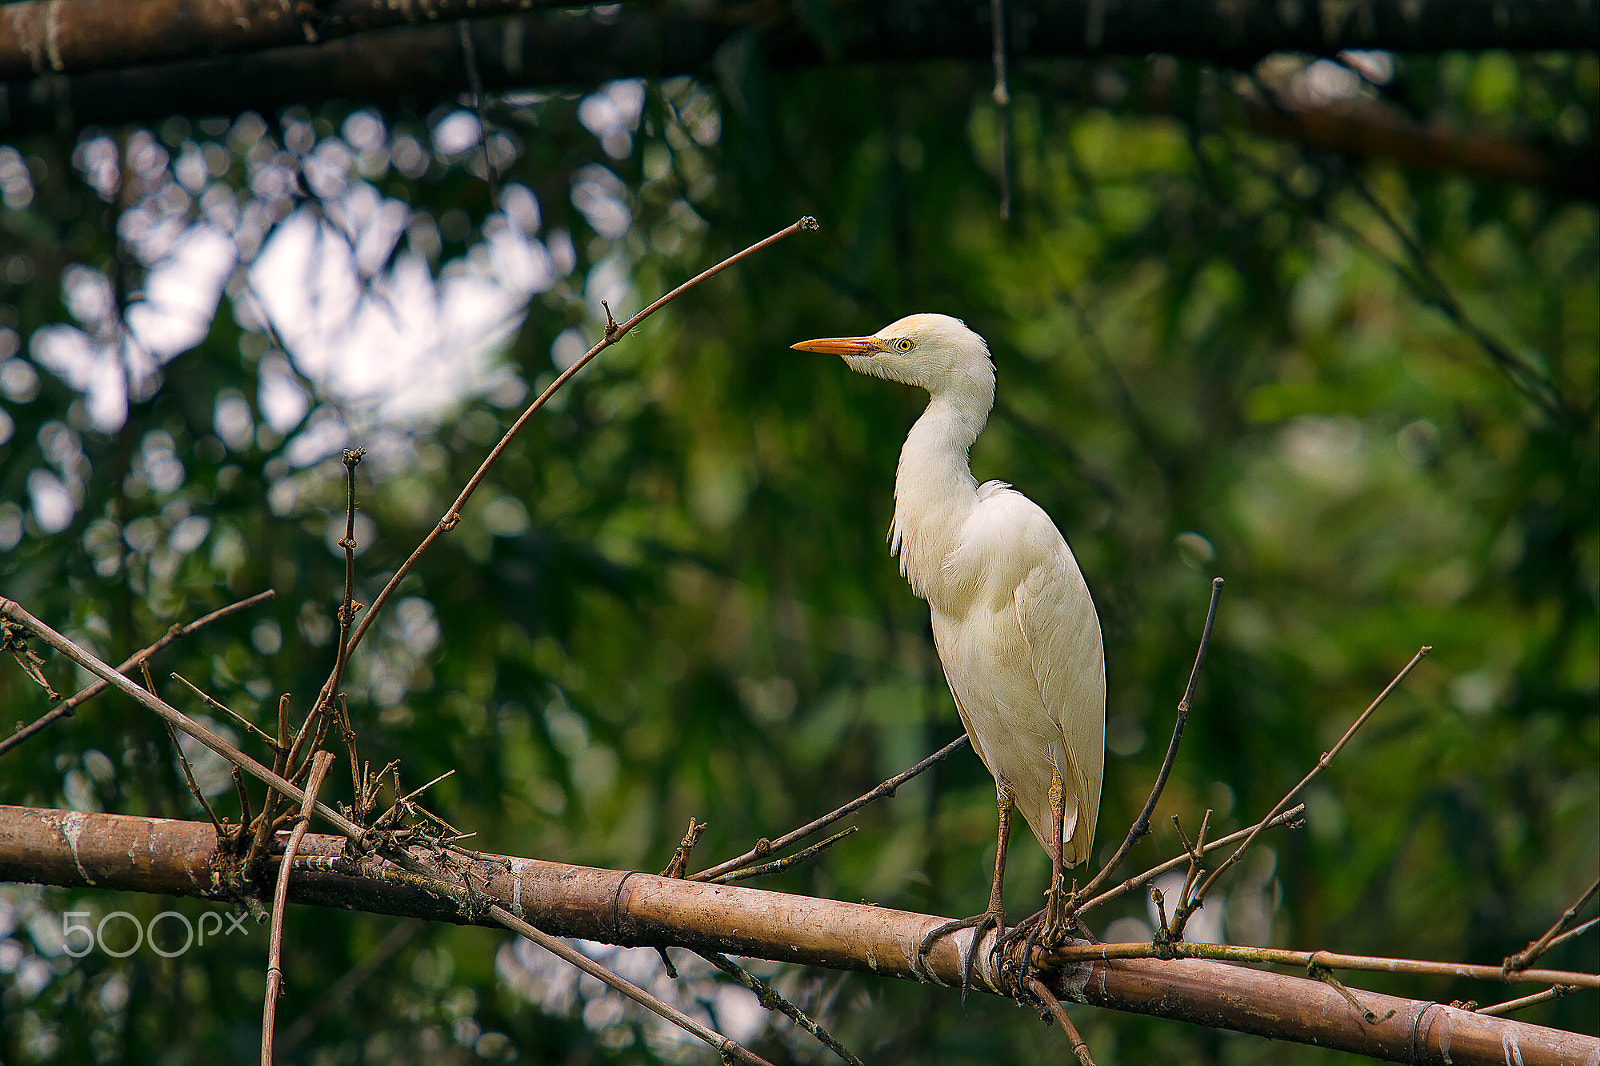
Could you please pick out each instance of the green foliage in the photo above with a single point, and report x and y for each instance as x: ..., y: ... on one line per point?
x: 1217, y: 354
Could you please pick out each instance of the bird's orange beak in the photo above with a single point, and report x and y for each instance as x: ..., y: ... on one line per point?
x: 841, y: 346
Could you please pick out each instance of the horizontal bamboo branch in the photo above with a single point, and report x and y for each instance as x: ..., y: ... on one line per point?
x: 637, y: 909
x: 160, y: 57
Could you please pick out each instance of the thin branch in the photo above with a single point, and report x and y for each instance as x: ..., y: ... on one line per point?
x: 1080, y: 1047
x: 772, y: 999
x: 347, y: 612
x: 561, y: 950
x: 453, y: 515
x: 177, y: 632
x: 1185, y: 910
x: 15, y: 640
x: 1529, y: 380
x: 766, y: 847
x: 209, y: 701
x: 1555, y: 992
x: 1317, y: 971
x: 1071, y: 953
x: 1430, y: 288
x: 1141, y: 824
x: 280, y: 902
x: 780, y: 865
x: 1287, y: 818
x: 183, y: 761
x: 1571, y: 934
x: 194, y: 789
x: 1523, y: 958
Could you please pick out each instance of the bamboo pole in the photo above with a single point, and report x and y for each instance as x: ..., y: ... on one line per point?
x: 638, y: 909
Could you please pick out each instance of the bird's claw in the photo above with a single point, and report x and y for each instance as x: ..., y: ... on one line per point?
x: 979, y: 924
x: 1046, y: 929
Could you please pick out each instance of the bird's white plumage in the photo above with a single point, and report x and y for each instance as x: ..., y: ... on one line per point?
x: 1013, y: 620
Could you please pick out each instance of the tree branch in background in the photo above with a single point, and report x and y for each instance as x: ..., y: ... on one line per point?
x: 423, y: 65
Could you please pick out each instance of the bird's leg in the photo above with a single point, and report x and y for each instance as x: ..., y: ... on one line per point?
x: 995, y: 916
x: 1055, y: 904
x: 1049, y: 926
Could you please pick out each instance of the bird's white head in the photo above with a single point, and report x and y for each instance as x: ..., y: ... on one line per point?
x: 934, y: 352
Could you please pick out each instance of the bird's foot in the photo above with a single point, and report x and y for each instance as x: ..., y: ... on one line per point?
x: 979, y: 924
x: 1046, y: 929
x: 1054, y: 931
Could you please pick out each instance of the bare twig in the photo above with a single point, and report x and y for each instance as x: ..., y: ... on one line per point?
x: 1431, y: 288
x: 320, y: 710
x: 209, y: 701
x: 780, y: 865
x: 15, y: 640
x: 772, y: 999
x: 1190, y: 906
x: 1071, y: 953
x: 177, y: 632
x: 1523, y: 958
x: 1556, y: 992
x: 1288, y: 818
x: 194, y: 789
x: 1141, y: 824
x: 1080, y: 1047
x: 183, y: 761
x: 280, y: 902
x: 766, y: 847
x: 1572, y: 933
x: 560, y: 949
x: 1321, y: 973
x: 680, y: 857
x: 453, y: 515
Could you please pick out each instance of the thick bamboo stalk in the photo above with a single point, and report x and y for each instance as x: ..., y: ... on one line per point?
x: 107, y: 61
x: 180, y: 858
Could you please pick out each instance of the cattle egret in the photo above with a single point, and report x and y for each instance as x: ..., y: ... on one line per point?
x: 1013, y: 621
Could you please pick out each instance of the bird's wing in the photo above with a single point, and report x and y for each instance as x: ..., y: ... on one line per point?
x: 1012, y: 551
x: 1058, y: 623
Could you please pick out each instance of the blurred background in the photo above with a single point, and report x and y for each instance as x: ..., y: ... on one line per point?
x: 1361, y: 389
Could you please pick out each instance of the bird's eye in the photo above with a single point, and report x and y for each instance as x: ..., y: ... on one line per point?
x: 904, y: 345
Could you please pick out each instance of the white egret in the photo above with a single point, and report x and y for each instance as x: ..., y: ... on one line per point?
x: 1013, y: 621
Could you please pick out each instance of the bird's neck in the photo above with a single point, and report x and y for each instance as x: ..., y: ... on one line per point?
x: 934, y: 491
